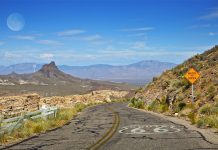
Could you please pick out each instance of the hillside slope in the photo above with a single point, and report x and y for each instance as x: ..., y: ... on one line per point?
x: 50, y: 81
x: 171, y: 92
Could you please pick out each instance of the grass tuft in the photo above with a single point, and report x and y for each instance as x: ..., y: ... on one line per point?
x: 31, y: 127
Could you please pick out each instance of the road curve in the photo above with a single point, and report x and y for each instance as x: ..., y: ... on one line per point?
x: 116, y: 127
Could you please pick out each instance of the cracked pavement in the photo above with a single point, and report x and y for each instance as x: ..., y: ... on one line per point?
x: 137, y: 130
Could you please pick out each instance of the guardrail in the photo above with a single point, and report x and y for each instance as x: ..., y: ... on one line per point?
x: 8, y: 125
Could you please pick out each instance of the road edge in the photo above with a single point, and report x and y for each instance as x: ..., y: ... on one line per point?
x: 9, y: 145
x: 208, y: 135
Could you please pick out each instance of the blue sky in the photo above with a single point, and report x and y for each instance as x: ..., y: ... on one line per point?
x: 84, y: 32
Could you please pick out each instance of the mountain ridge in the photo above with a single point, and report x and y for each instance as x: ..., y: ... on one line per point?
x: 50, y: 81
x: 136, y: 73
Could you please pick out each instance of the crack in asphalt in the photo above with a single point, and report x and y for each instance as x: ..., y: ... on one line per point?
x: 92, y: 124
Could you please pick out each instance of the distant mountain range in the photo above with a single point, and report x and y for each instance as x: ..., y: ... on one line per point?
x: 50, y: 81
x: 137, y: 73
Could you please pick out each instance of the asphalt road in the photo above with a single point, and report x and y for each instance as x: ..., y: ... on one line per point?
x: 117, y: 127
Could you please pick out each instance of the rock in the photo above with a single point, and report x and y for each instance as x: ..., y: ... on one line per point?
x: 95, y: 96
x: 17, y: 105
x: 108, y: 99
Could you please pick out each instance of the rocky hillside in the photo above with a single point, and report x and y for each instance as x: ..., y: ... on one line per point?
x: 50, y: 81
x: 171, y: 92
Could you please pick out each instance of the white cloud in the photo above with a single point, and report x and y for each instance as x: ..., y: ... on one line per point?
x: 76, y: 34
x: 139, y: 45
x: 91, y: 38
x: 49, y: 42
x: 109, y: 54
x: 152, y: 53
x: 46, y: 56
x: 138, y: 35
x: 71, y: 32
x: 212, y: 33
x: 138, y: 29
x: 126, y: 54
x: 10, y: 55
x: 23, y: 37
x: 33, y: 38
x: 200, y: 26
x: 149, y: 53
x: 210, y: 16
x: 94, y: 39
x: 76, y: 56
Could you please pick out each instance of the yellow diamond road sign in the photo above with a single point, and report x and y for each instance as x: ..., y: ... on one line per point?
x: 192, y: 75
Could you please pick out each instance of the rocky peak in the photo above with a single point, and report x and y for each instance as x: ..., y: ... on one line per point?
x: 49, y: 69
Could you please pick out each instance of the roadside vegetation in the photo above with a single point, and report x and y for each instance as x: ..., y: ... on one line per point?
x: 205, y: 116
x: 208, y: 116
x: 136, y: 103
x: 33, y: 127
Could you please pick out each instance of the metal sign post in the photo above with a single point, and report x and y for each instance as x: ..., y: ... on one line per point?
x: 192, y: 75
x: 193, y: 98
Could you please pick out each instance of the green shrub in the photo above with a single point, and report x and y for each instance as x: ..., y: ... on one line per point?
x: 163, y: 108
x: 181, y: 105
x: 208, y: 121
x: 158, y: 105
x: 211, y: 92
x: 180, y: 98
x: 137, y: 103
x: 190, y: 105
x: 178, y: 107
x: 200, y: 123
x: 153, y: 105
x: 205, y: 109
x: 203, y: 83
x: 192, y: 117
x: 208, y: 109
x: 211, y: 89
x: 38, y: 128
x: 185, y: 84
x: 79, y: 107
x: 210, y: 96
x: 64, y: 114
